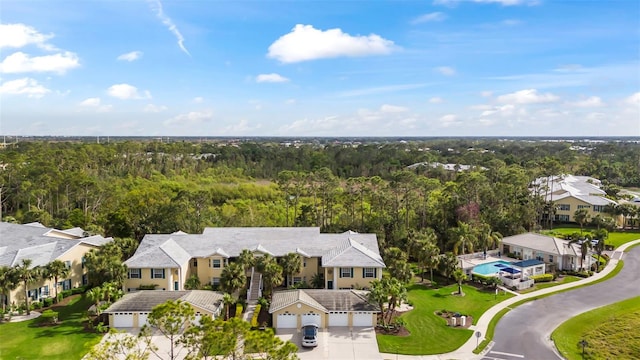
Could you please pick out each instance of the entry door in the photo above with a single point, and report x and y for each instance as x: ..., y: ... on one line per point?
x: 175, y: 286
x: 330, y: 284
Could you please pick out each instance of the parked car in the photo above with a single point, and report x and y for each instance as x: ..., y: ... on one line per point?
x: 310, y: 335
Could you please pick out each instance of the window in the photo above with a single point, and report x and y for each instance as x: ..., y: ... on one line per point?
x: 83, y: 261
x: 65, y: 284
x: 584, y: 207
x: 368, y: 272
x: 564, y: 207
x: 598, y: 208
x: 44, y: 291
x: 85, y: 279
x: 134, y: 274
x: 346, y: 272
x: 564, y: 218
x: 67, y: 264
x: 550, y: 258
x: 304, y: 263
x: 297, y: 280
x: 540, y: 256
x: 157, y: 273
x: 215, y: 263
x: 195, y: 262
x: 215, y: 281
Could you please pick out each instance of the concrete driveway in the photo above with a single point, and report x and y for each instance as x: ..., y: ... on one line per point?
x: 339, y: 343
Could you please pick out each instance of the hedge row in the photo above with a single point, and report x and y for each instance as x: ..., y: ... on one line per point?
x: 254, y: 318
x: 541, y: 278
x: 239, y: 309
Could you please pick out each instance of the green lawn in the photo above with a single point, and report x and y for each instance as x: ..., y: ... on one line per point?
x: 611, y: 332
x: 67, y: 340
x: 429, y: 332
x: 544, y: 285
x: 616, y: 238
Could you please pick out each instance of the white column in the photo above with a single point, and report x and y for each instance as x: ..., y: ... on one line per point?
x: 335, y: 277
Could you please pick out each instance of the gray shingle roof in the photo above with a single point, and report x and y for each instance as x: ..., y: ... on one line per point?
x: 229, y: 242
x: 145, y: 300
x: 544, y: 243
x: 36, y: 242
x: 323, y: 300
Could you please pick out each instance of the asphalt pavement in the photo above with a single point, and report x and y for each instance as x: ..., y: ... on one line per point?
x: 524, y: 332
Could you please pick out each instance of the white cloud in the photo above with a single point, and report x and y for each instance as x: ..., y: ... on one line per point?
x: 528, y: 96
x: 593, y: 101
x: 504, y: 110
x: 430, y: 17
x: 151, y: 108
x: 386, y: 108
x: 240, y: 127
x: 271, y: 78
x: 126, y: 91
x: 486, y: 93
x: 190, y: 118
x: 96, y: 103
x: 24, y: 86
x: 197, y: 100
x: 436, y: 100
x: 130, y: 56
x: 304, y: 43
x: 20, y: 35
x: 20, y: 62
x: 633, y: 99
x: 446, y: 70
x: 91, y: 102
x: 449, y: 120
x: 156, y: 6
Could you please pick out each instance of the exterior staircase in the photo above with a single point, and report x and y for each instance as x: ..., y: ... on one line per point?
x: 255, y: 286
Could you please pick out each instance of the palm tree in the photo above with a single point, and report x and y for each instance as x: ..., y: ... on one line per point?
x: 96, y: 295
x: 247, y: 259
x: 459, y: 276
x: 464, y: 238
x: 233, y: 278
x: 228, y: 300
x: 8, y: 282
x: 601, y: 235
x: 27, y: 275
x: 581, y: 216
x: 272, y: 276
x: 448, y: 264
x: 192, y: 283
x: 291, y: 264
x: 56, y: 270
x: 431, y: 253
x: 585, y: 246
x: 488, y: 238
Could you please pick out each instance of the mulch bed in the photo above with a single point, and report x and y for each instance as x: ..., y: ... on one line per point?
x: 397, y: 331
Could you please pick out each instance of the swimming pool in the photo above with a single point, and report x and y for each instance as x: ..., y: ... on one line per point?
x: 490, y: 268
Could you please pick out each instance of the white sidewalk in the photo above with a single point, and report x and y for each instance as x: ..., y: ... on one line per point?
x: 465, y: 352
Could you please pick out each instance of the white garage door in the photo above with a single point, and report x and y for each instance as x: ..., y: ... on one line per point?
x: 338, y: 318
x: 122, y: 320
x: 142, y: 319
x: 311, y: 319
x: 362, y: 319
x: 287, y: 321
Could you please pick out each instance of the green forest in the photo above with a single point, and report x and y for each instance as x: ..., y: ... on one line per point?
x: 133, y: 188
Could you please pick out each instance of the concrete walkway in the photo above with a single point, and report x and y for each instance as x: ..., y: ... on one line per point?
x: 466, y: 350
x: 25, y: 317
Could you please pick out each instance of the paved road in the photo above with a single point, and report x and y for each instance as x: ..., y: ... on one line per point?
x: 524, y: 333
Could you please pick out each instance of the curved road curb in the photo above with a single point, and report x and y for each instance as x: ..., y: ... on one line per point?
x: 466, y: 350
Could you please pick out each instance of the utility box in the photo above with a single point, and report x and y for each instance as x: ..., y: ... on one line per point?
x: 463, y: 320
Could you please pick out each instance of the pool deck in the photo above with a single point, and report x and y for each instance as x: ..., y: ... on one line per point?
x: 470, y: 263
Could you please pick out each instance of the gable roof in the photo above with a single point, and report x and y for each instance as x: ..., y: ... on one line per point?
x: 229, y: 242
x: 544, y: 243
x: 349, y: 253
x: 145, y: 300
x: 323, y: 300
x: 38, y: 243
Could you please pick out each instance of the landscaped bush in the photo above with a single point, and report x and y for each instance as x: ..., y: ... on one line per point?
x: 239, y: 309
x: 254, y: 318
x: 78, y: 290
x: 36, y: 305
x: 65, y: 293
x: 49, y: 317
x: 264, y: 302
x: 541, y: 278
x: 47, y: 302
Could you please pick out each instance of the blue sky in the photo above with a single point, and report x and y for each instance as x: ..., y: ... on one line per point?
x: 320, y: 68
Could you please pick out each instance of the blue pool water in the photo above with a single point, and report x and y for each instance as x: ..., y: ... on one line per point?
x: 490, y: 268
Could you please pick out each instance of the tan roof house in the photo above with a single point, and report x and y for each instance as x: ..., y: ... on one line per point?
x: 559, y: 253
x: 43, y: 245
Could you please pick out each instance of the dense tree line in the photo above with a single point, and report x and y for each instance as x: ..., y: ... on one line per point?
x: 128, y: 189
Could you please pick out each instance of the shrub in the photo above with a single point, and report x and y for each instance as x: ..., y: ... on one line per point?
x: 36, y: 305
x: 65, y: 293
x: 239, y: 309
x: 148, y: 287
x: 49, y: 317
x: 264, y: 302
x: 541, y: 278
x: 254, y: 318
x: 47, y: 302
x: 78, y: 290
